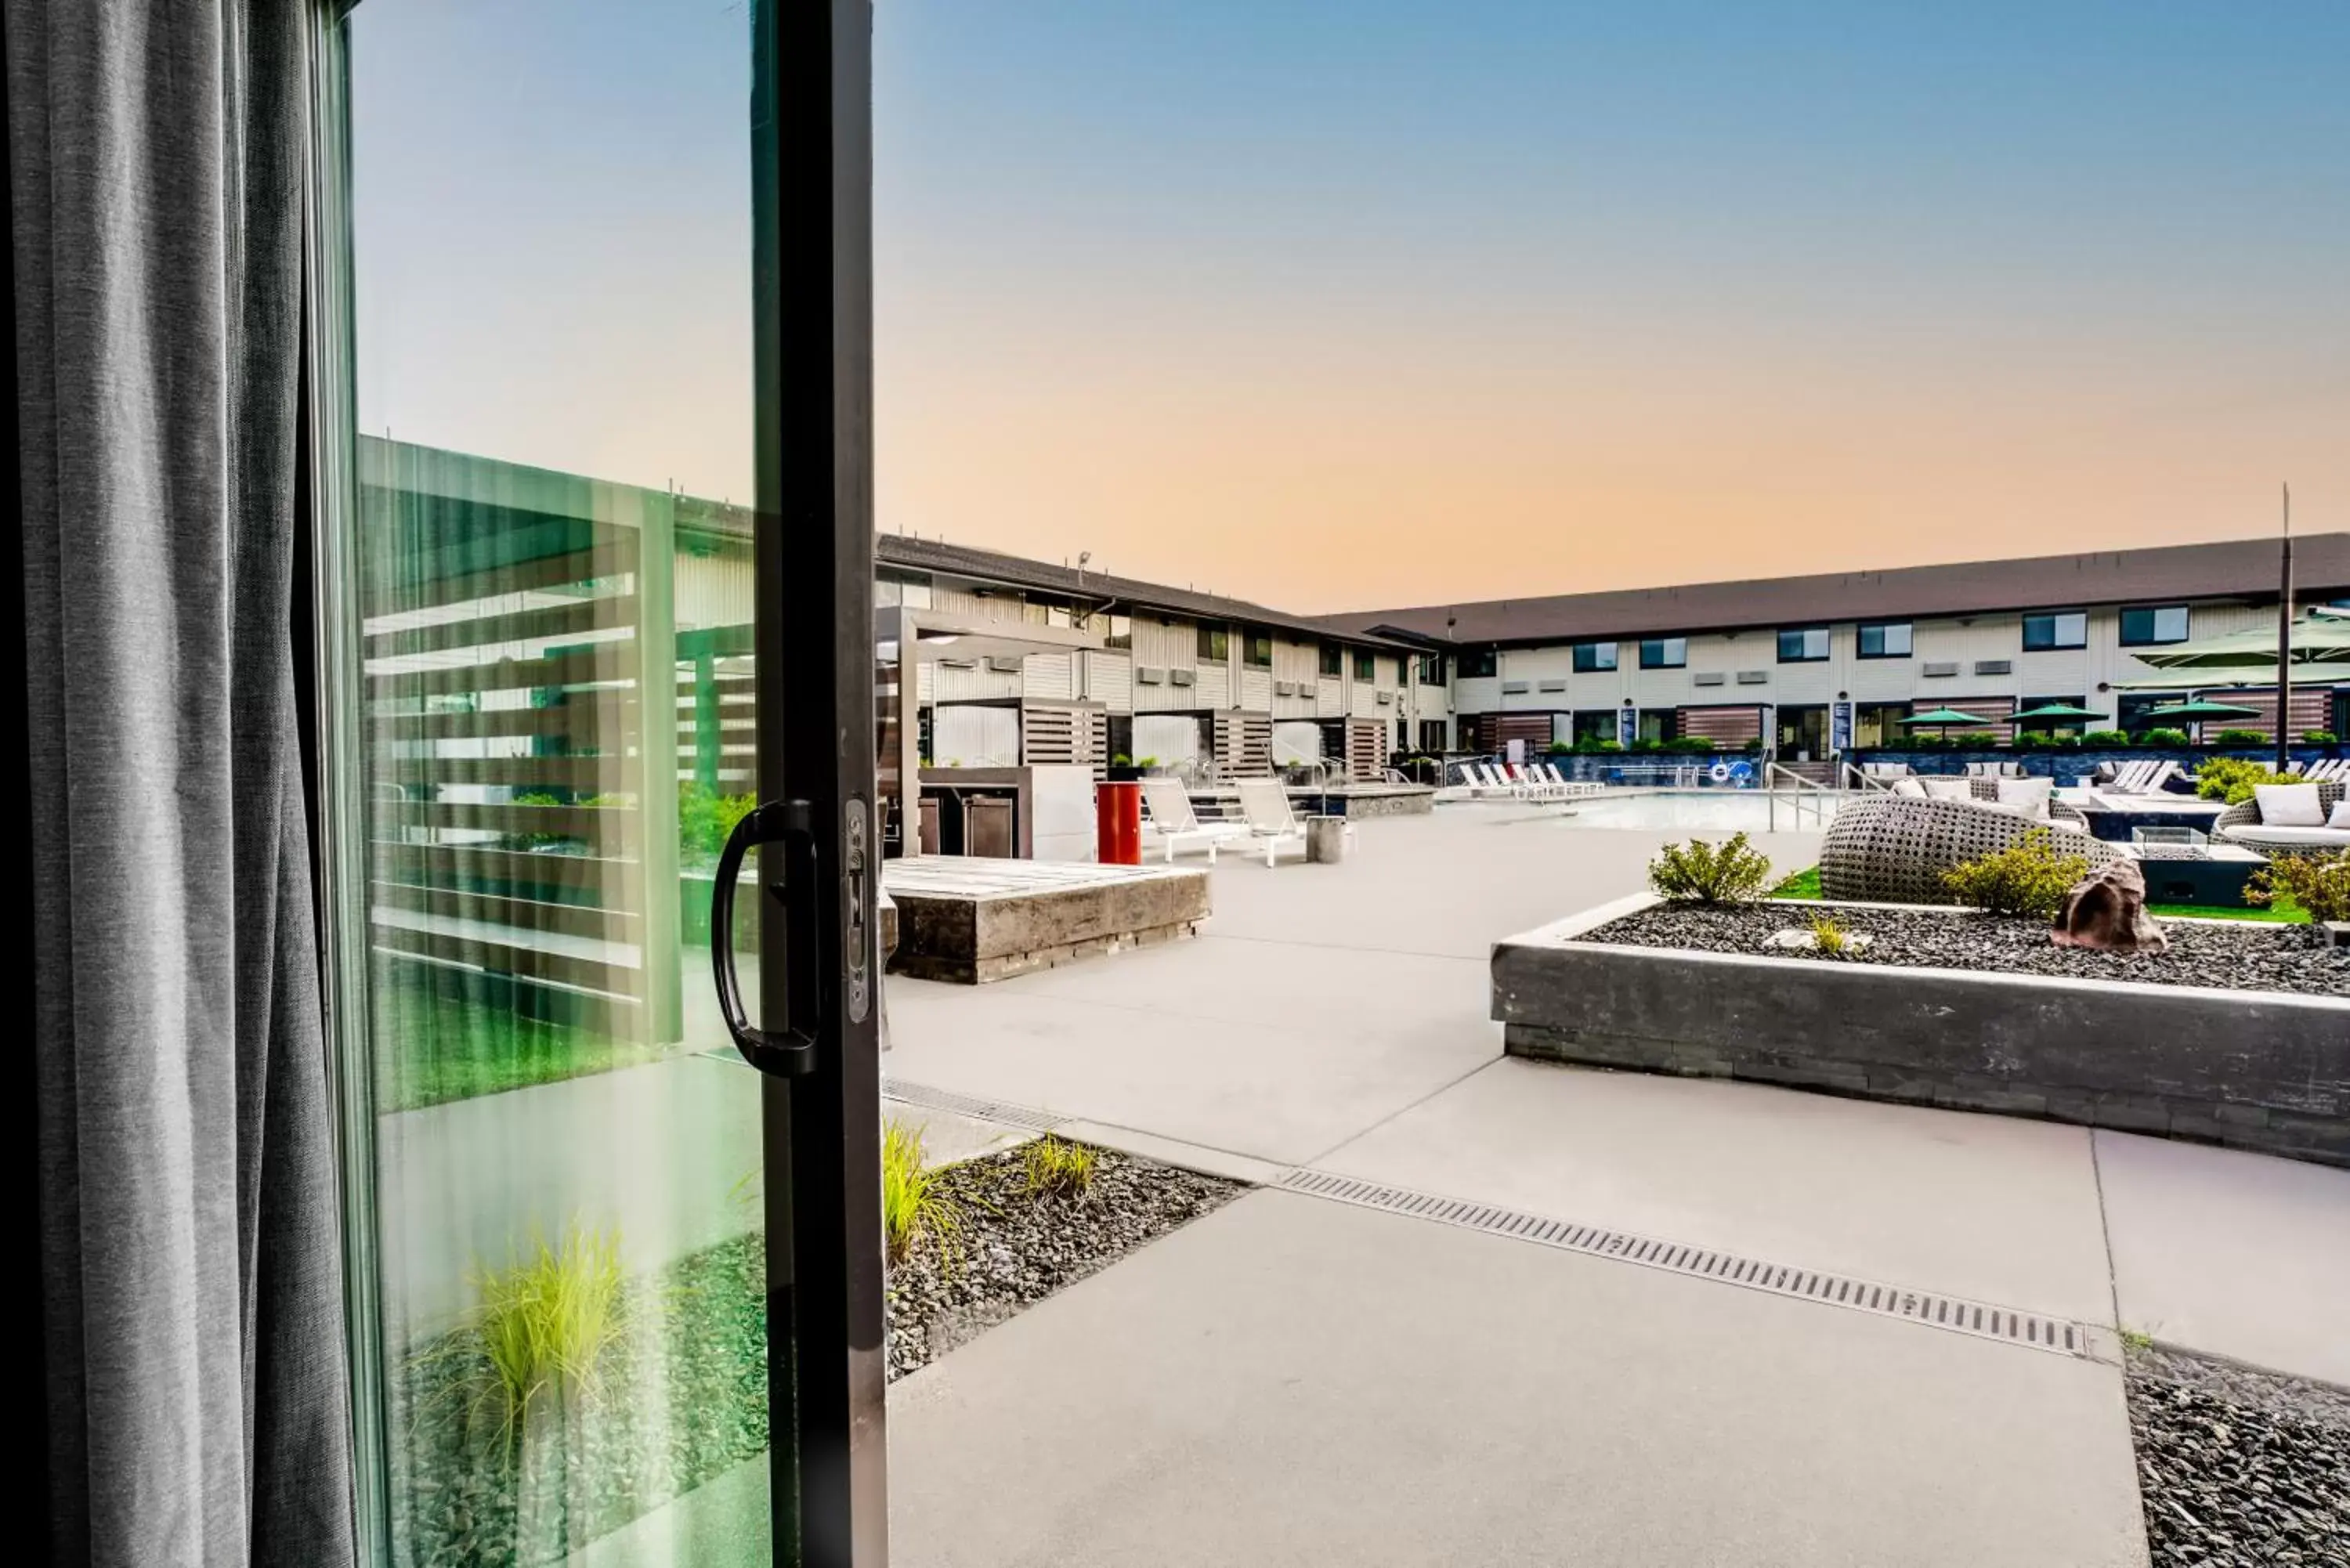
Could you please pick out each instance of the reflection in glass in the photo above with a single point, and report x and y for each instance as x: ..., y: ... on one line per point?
x: 550, y: 219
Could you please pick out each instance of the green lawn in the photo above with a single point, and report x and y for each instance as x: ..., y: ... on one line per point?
x: 1805, y: 884
x: 437, y: 1048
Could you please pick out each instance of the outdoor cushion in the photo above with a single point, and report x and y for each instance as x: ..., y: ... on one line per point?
x: 2026, y: 797
x: 1950, y: 789
x: 2289, y: 805
x: 1914, y: 788
x: 2320, y: 838
x: 2341, y: 817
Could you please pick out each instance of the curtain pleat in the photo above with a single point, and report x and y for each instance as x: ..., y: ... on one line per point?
x: 190, y: 1266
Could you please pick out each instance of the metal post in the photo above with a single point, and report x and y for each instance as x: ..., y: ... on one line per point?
x: 2284, y: 646
x: 813, y: 356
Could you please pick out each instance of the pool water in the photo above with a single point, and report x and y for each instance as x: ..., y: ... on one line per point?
x: 1728, y: 810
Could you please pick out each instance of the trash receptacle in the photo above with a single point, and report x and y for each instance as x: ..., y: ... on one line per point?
x: 1117, y: 823
x: 1325, y: 839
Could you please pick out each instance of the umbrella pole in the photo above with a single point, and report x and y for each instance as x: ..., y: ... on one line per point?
x: 2284, y: 646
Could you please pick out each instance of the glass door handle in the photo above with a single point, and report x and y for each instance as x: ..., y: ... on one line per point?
x: 792, y: 1051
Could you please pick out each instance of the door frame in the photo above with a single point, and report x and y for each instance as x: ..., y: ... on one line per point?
x: 812, y: 275
x: 810, y: 124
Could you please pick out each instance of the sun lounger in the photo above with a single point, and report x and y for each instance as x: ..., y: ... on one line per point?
x: 1177, y: 824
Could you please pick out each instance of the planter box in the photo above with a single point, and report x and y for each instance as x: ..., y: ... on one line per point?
x: 2259, y: 1070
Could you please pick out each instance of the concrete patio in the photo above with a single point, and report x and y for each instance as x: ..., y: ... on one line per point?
x: 1296, y: 1380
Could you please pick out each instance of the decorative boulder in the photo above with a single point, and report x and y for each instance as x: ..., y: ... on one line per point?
x: 2107, y: 909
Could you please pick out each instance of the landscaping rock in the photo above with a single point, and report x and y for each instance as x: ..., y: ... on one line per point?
x: 2239, y: 1468
x: 2246, y: 956
x: 2107, y: 909
x: 1012, y: 1249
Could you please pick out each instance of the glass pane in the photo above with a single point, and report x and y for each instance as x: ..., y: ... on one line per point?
x: 551, y: 228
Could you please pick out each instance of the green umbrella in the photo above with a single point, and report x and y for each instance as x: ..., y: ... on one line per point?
x: 2321, y: 634
x: 2199, y: 708
x: 1944, y: 718
x: 2053, y: 712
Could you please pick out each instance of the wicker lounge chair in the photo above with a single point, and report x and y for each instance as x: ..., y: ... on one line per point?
x: 1892, y: 848
x: 2242, y: 824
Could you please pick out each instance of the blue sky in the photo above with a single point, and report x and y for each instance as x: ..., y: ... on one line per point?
x: 1522, y: 296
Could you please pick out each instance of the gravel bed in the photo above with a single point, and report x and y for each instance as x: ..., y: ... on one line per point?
x: 1012, y: 1249
x: 2252, y: 956
x: 2237, y: 1468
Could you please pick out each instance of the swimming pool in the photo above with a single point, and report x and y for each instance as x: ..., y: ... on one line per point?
x: 1728, y: 810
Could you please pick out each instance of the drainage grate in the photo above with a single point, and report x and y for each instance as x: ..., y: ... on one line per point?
x: 2060, y: 1336
x: 931, y: 1099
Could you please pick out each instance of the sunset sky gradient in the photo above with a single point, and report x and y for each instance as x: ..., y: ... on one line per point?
x: 1341, y: 304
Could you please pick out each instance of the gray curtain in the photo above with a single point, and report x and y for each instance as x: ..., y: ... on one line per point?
x: 190, y: 1268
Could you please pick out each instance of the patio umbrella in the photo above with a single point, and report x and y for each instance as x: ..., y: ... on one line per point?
x: 2199, y: 708
x: 2053, y: 713
x: 2323, y: 634
x: 1945, y: 718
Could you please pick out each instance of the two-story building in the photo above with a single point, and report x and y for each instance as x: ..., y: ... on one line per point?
x: 1785, y: 659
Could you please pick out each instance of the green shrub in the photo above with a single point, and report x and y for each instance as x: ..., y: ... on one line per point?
x: 2029, y: 877
x: 2033, y: 741
x: 1830, y: 937
x: 1057, y: 1168
x: 2320, y: 737
x: 915, y: 1203
x: 1732, y: 872
x: 2239, y: 738
x: 2319, y: 884
x: 2104, y: 737
x: 543, y: 1326
x: 704, y: 819
x: 1560, y: 748
x: 1974, y: 740
x: 2163, y: 738
x: 1647, y: 744
x: 2231, y: 779
x: 1690, y: 743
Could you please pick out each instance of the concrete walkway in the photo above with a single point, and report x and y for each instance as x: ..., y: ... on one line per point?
x: 1292, y: 1380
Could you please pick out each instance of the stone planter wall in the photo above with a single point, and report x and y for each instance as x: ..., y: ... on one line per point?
x: 2254, y: 1070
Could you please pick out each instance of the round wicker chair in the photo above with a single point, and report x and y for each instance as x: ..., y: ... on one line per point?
x: 1893, y: 849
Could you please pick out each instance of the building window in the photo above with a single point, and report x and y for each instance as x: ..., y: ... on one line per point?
x: 1479, y: 662
x: 1885, y: 639
x: 2065, y: 628
x: 1593, y: 657
x: 1258, y: 650
x: 1665, y: 653
x: 911, y: 590
x: 2150, y: 626
x: 1215, y: 644
x: 1367, y: 667
x: 1803, y: 644
x: 1431, y: 669
x: 1035, y: 612
x: 1121, y: 633
x: 1332, y: 661
x: 2131, y: 708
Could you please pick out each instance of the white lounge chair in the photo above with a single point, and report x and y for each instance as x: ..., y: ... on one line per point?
x: 2328, y: 768
x: 1498, y: 781
x: 1271, y: 819
x: 1529, y: 778
x: 1179, y: 826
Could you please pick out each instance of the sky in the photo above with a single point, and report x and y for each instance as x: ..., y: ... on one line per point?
x: 1340, y: 306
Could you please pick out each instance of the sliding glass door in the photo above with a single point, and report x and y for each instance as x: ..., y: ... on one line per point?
x: 594, y: 518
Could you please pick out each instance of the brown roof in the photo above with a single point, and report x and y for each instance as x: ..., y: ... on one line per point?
x: 2235, y: 569
x: 910, y: 554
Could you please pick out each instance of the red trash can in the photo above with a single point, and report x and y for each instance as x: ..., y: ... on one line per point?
x: 1117, y: 823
